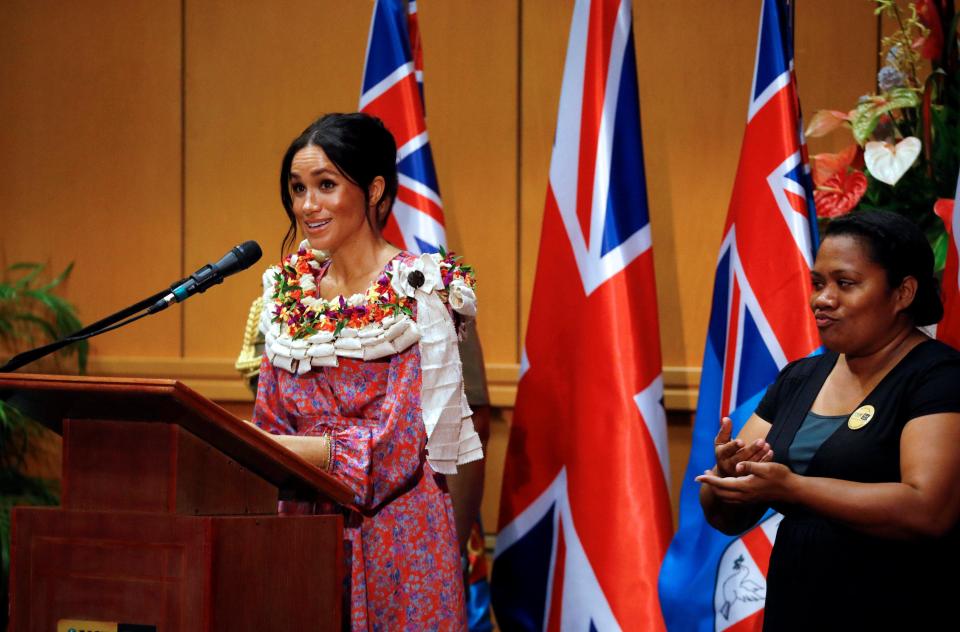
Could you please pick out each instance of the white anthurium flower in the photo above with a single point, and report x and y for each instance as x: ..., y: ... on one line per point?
x: 887, y: 163
x: 307, y: 283
x: 429, y: 264
x: 462, y: 298
x: 422, y: 274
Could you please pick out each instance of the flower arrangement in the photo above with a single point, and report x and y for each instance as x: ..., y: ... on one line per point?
x: 905, y: 156
x: 301, y: 312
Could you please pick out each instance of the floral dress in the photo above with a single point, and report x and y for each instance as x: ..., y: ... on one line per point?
x: 400, y: 542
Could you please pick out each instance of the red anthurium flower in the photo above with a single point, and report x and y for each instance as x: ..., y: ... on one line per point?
x: 839, y: 193
x: 825, y: 166
x: 944, y: 209
x: 825, y: 121
x: 930, y: 46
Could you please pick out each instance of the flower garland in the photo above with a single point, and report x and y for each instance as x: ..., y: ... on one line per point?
x: 301, y: 312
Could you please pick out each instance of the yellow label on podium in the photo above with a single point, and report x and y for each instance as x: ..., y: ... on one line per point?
x: 81, y: 625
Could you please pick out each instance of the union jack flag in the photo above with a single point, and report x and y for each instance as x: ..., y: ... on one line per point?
x: 759, y: 320
x: 392, y: 90
x: 585, y: 511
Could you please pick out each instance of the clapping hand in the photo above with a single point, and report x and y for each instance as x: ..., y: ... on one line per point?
x: 755, y: 482
x: 731, y: 452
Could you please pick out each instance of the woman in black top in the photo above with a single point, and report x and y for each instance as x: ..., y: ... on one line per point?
x: 859, y: 448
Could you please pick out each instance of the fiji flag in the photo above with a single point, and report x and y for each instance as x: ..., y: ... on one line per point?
x: 585, y: 512
x: 393, y: 91
x: 759, y: 321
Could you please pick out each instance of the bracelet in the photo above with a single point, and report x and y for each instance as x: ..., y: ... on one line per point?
x: 328, y: 464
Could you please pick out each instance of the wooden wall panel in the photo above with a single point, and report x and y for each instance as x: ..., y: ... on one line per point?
x: 251, y: 88
x: 692, y: 109
x: 90, y: 154
x: 694, y: 65
x: 257, y: 73
x: 543, y: 44
x: 93, y: 91
x: 836, y: 60
x: 470, y: 79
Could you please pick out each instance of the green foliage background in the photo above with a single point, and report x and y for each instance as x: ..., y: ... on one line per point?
x: 31, y: 314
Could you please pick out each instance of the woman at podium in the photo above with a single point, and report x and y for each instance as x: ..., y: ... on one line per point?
x: 361, y: 374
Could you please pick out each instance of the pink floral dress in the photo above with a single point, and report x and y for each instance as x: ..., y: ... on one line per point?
x: 401, y: 550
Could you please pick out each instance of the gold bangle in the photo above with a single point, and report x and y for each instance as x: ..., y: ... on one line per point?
x: 329, y: 460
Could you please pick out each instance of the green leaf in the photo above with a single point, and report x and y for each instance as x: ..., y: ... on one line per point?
x: 60, y: 278
x: 867, y: 114
x: 39, y: 323
x: 940, y: 245
x: 25, y: 280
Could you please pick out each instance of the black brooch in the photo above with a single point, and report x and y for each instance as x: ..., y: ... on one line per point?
x: 416, y: 279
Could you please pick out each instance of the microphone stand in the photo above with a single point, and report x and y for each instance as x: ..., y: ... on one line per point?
x: 101, y: 326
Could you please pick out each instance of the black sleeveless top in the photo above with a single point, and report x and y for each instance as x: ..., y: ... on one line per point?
x: 824, y: 575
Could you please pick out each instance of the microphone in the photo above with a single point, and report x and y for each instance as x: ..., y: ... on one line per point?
x: 239, y: 258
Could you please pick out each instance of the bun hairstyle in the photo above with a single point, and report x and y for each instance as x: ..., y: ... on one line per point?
x: 899, y: 246
x: 361, y: 147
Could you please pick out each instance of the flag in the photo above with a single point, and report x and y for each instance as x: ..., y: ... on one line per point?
x: 948, y: 329
x: 585, y: 511
x: 759, y: 320
x: 392, y: 90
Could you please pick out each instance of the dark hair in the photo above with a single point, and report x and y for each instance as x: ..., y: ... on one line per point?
x: 361, y: 147
x: 898, y: 246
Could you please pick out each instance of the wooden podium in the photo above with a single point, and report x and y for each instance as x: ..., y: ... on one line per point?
x: 168, y: 518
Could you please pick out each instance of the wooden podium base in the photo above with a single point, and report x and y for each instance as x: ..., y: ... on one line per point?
x: 172, y: 572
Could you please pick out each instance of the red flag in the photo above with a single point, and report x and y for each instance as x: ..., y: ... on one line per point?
x: 948, y: 330
x: 585, y: 511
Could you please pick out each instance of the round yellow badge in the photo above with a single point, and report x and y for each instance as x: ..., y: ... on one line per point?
x: 861, y: 417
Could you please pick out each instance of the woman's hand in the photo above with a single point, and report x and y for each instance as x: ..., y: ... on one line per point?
x: 750, y: 447
x: 730, y: 453
x: 754, y: 482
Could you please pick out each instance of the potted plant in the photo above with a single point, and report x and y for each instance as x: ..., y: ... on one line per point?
x: 31, y: 313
